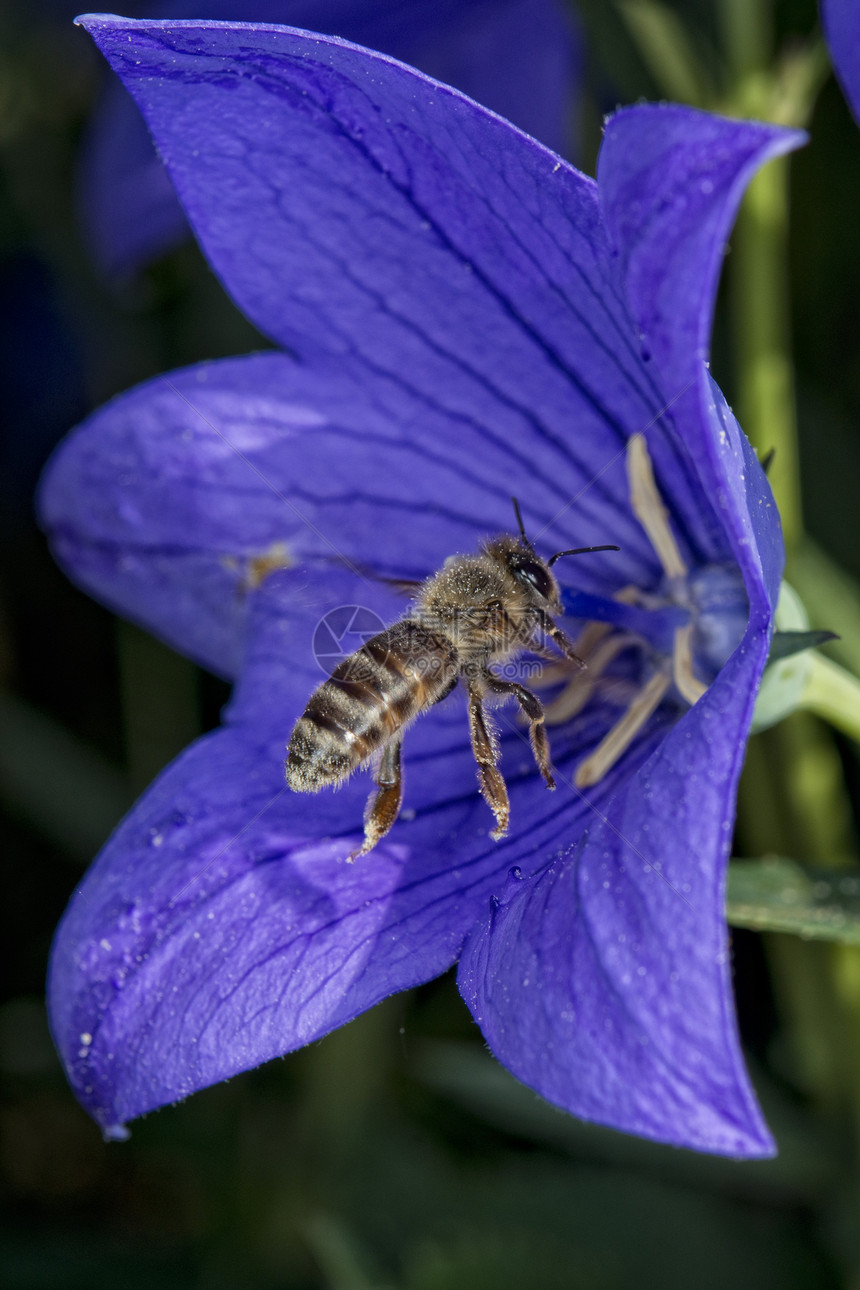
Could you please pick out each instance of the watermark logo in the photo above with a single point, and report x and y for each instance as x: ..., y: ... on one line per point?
x: 424, y: 649
x: 343, y: 631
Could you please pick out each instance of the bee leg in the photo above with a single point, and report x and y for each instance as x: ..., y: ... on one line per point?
x: 486, y: 752
x: 383, y: 807
x: 554, y: 632
x: 533, y: 709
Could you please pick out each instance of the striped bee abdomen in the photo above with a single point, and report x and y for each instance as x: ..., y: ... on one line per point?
x: 367, y: 699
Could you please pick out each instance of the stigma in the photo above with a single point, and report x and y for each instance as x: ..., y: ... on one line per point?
x: 682, y: 631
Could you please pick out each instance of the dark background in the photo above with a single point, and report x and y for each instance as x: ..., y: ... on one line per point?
x: 395, y: 1153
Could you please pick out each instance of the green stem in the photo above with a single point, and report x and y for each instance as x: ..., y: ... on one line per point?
x: 746, y: 31
x: 831, y: 598
x: 784, y: 93
x: 793, y: 797
x: 666, y: 50
x: 347, y: 1075
x: 761, y: 304
x: 834, y: 694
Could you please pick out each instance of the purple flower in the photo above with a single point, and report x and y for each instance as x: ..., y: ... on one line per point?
x: 462, y: 316
x: 515, y: 56
x: 841, y: 21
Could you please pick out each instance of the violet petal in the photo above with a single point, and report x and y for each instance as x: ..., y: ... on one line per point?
x: 478, y: 281
x: 515, y: 56
x: 221, y: 927
x: 841, y: 22
x: 161, y: 501
x: 604, y: 982
x: 549, y: 404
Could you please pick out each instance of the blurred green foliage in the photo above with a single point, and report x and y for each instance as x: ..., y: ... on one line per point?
x: 396, y: 1155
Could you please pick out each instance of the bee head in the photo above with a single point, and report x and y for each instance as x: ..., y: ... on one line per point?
x: 532, y: 573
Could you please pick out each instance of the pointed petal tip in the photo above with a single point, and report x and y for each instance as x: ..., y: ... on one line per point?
x: 89, y: 20
x: 778, y: 138
x: 751, y: 1141
x: 760, y: 1145
x: 728, y: 1138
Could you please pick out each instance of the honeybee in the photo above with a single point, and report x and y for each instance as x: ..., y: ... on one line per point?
x: 477, y: 610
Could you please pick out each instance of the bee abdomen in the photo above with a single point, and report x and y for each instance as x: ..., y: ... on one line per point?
x: 368, y: 698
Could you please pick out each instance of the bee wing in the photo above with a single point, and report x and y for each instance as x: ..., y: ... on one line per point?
x: 403, y: 586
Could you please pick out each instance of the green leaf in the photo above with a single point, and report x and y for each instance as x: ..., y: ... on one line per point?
x: 784, y: 644
x: 779, y: 895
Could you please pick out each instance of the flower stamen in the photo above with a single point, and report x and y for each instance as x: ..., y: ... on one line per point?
x: 688, y: 684
x: 580, y: 688
x: 649, y: 510
x: 603, y: 647
x: 618, y: 740
x: 647, y: 505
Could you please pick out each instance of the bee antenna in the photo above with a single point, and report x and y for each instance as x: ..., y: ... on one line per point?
x: 580, y: 550
x: 519, y: 516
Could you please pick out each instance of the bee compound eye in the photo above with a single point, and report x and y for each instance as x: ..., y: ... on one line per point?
x: 536, y: 576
